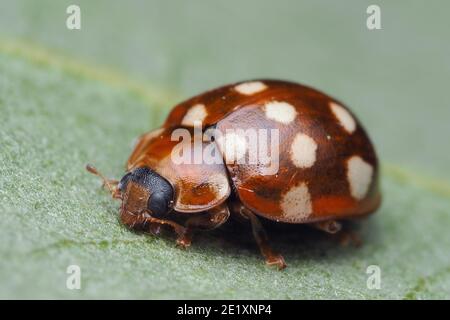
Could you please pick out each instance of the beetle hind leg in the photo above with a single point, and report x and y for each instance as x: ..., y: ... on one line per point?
x: 272, y: 258
x: 335, y: 230
x: 348, y: 237
x: 328, y: 226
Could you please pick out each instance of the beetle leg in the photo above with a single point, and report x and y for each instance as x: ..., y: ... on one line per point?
x: 329, y: 226
x: 214, y: 218
x: 110, y: 184
x: 342, y: 236
x: 154, y: 222
x: 272, y: 257
x: 146, y: 222
x: 236, y: 209
x: 154, y: 229
x: 348, y: 237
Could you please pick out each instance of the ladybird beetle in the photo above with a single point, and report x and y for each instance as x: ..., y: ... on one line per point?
x: 327, y: 169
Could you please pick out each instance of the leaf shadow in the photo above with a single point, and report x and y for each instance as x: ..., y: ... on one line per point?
x: 297, y: 243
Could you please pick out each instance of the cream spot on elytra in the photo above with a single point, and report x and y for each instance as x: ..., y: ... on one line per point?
x: 232, y: 146
x: 282, y: 112
x: 296, y: 203
x: 250, y: 88
x: 359, y: 175
x: 344, y: 117
x: 195, y: 113
x: 303, y: 151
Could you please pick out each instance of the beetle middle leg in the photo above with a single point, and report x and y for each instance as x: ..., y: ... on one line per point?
x: 212, y: 219
x: 260, y: 235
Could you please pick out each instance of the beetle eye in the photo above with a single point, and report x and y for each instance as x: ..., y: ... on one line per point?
x: 158, y: 204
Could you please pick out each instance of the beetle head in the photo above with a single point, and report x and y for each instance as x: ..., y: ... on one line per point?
x: 143, y: 190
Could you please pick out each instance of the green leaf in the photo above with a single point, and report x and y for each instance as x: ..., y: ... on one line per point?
x: 54, y: 214
x: 57, y: 114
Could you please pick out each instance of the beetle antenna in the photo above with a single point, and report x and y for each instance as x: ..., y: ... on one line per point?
x: 106, y: 182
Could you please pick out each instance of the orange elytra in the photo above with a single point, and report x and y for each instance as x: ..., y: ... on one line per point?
x: 260, y: 149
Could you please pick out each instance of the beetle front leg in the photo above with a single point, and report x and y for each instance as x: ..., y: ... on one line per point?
x: 147, y: 223
x: 260, y: 235
x: 212, y: 219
